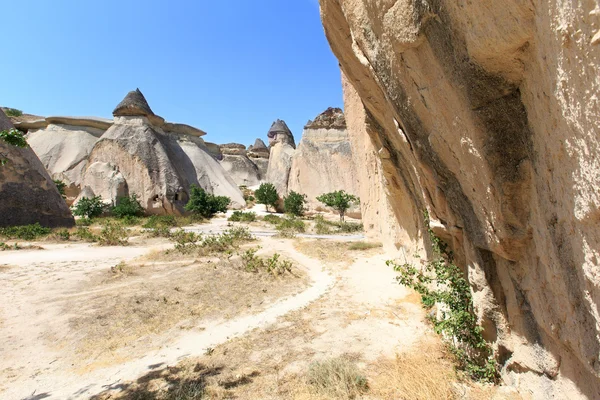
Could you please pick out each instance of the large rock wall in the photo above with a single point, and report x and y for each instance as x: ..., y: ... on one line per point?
x: 27, y: 194
x: 486, y: 114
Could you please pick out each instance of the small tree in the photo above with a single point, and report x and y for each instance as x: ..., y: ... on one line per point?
x: 339, y: 201
x: 89, y: 207
x: 294, y: 203
x: 267, y: 194
x: 128, y: 206
x: 205, y: 204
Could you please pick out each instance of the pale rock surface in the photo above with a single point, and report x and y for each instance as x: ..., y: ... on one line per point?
x: 283, y: 146
x: 323, y: 161
x: 486, y: 114
x: 27, y: 194
x: 259, y: 155
x: 236, y: 163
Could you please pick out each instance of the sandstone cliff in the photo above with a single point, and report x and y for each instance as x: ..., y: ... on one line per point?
x: 27, y: 194
x: 323, y: 161
x: 281, y: 141
x: 486, y: 114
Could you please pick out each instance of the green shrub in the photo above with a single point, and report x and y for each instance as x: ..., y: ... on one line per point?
x: 160, y: 221
x: 339, y: 201
x: 272, y: 219
x: 267, y: 194
x: 14, y: 137
x: 84, y: 234
x: 62, y: 234
x: 321, y: 225
x: 205, y: 204
x: 25, y: 232
x: 60, y: 186
x: 294, y: 203
x: 187, y: 242
x: 130, y: 220
x: 113, y: 234
x: 337, y: 378
x: 240, y: 216
x: 273, y: 265
x: 13, y: 112
x: 350, y: 227
x: 128, y: 206
x: 441, y: 281
x: 290, y: 226
x: 89, y: 207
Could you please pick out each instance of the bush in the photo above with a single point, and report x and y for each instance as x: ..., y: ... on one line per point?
x: 187, y: 242
x: 205, y: 204
x: 160, y: 221
x: 290, y: 226
x: 339, y: 201
x: 267, y: 194
x: 13, y: 112
x: 62, y: 234
x: 321, y: 226
x: 272, y: 219
x: 349, y: 227
x: 294, y: 203
x: 240, y: 216
x: 60, y: 186
x: 128, y: 206
x: 272, y: 265
x: 25, y: 232
x: 337, y: 378
x: 84, y: 234
x: 89, y: 207
x: 113, y: 234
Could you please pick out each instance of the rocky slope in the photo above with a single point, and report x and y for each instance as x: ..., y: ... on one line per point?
x: 486, y: 114
x: 323, y: 161
x: 27, y: 194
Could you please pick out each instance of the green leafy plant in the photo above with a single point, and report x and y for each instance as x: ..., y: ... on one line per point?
x: 272, y: 265
x: 272, y: 219
x: 290, y: 226
x: 89, y: 207
x: 13, y: 112
x: 440, y: 281
x: 61, y: 186
x: 240, y: 216
x: 267, y: 194
x: 294, y: 203
x: 339, y: 201
x: 128, y: 206
x: 321, y: 226
x: 14, y: 137
x: 113, y: 234
x: 25, y: 232
x: 160, y: 221
x: 205, y: 204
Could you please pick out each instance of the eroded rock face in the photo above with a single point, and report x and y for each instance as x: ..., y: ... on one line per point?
x: 259, y: 154
x: 281, y: 141
x: 486, y: 114
x: 236, y: 163
x: 323, y: 161
x: 27, y: 194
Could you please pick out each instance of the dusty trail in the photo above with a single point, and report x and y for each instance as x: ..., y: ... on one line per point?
x: 36, y: 371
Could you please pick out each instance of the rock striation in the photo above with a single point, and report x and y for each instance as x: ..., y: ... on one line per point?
x: 283, y: 145
x: 259, y: 154
x: 27, y: 194
x: 486, y: 115
x: 323, y: 161
x: 236, y: 163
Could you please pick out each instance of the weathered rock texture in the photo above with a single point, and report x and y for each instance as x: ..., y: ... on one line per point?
x: 323, y: 161
x: 158, y: 161
x: 237, y: 164
x: 259, y: 154
x: 281, y: 141
x: 486, y: 114
x: 27, y: 194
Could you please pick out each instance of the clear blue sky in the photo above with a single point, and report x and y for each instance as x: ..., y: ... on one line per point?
x: 227, y: 67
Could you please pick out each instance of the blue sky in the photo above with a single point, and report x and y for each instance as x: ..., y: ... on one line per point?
x: 228, y: 67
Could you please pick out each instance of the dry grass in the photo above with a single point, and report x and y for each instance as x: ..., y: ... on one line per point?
x: 330, y: 251
x: 426, y: 373
x: 336, y: 378
x: 133, y: 303
x: 361, y: 246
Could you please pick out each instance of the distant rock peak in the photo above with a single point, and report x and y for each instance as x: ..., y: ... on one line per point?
x: 280, y: 133
x: 332, y: 118
x: 134, y: 104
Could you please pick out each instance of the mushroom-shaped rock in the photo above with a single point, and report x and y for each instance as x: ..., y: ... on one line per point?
x: 282, y: 145
x: 279, y: 132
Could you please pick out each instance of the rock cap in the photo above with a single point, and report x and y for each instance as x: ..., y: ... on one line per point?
x: 134, y: 104
x: 332, y: 118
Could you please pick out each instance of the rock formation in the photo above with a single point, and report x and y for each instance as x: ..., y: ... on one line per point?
x: 259, y: 154
x: 237, y: 164
x: 27, y: 194
x: 142, y: 154
x: 281, y: 141
x: 486, y: 114
x: 323, y: 161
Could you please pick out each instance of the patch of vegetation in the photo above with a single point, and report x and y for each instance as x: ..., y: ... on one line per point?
x: 25, y: 232
x: 442, y: 282
x: 128, y: 206
x: 60, y: 186
x: 272, y: 219
x: 61, y: 234
x: 322, y: 227
x: 241, y: 216
x: 12, y: 112
x: 203, y: 245
x: 337, y: 378
x: 267, y: 194
x: 339, y: 201
x: 84, y: 234
x: 294, y: 203
x: 89, y: 207
x: 14, y: 137
x: 363, y: 246
x: 160, y: 221
x: 205, y: 204
x: 113, y: 234
x: 288, y: 227
x: 273, y: 265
